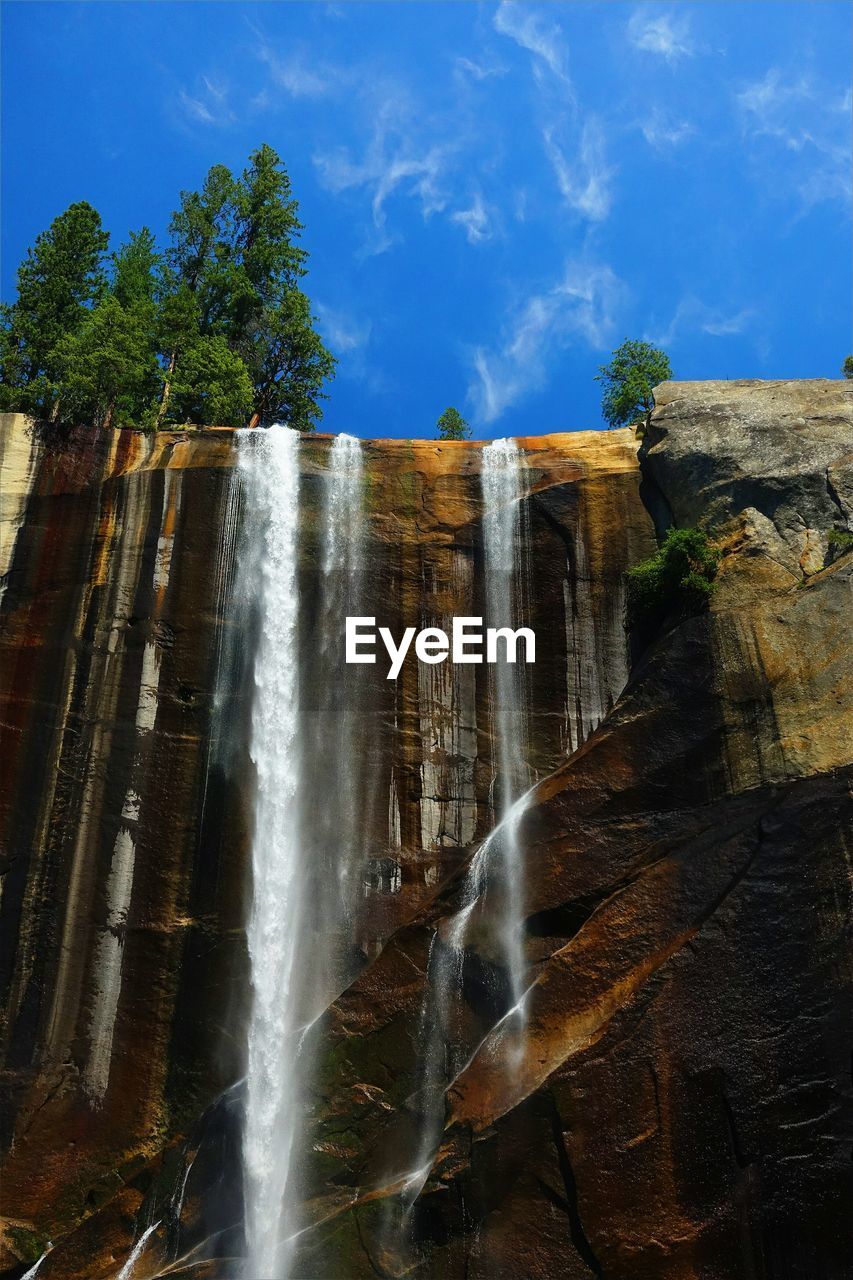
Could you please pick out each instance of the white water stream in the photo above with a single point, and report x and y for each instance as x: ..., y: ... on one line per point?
x: 497, y: 863
x: 501, y: 480
x: 308, y: 813
x: 270, y: 459
x: 307, y: 809
x: 136, y: 1252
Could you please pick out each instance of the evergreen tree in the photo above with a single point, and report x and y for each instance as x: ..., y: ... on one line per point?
x: 108, y: 371
x: 847, y: 367
x: 198, y: 270
x: 108, y: 366
x: 235, y: 268
x: 288, y: 364
x: 267, y: 262
x: 176, y: 338
x: 134, y: 271
x: 634, y: 371
x: 60, y: 279
x: 211, y: 385
x: 178, y: 327
x: 452, y: 426
x: 271, y: 323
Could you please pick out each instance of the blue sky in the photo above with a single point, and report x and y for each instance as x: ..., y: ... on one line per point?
x: 494, y: 194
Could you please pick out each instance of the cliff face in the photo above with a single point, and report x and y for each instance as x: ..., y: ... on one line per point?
x: 682, y: 1107
x: 124, y: 804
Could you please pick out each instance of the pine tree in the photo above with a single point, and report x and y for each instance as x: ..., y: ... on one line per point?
x: 452, y: 426
x: 289, y: 365
x: 218, y: 329
x: 634, y: 371
x: 211, y: 385
x: 59, y: 281
x: 108, y: 366
x: 271, y: 322
x: 198, y: 271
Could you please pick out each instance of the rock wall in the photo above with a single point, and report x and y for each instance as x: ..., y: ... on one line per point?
x: 123, y: 799
x: 683, y: 1107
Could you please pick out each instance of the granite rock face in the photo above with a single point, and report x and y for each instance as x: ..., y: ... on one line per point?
x: 682, y: 1106
x: 124, y: 800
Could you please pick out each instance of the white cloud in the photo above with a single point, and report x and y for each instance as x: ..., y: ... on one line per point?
x: 666, y: 34
x: 582, y: 305
x: 694, y: 316
x: 811, y: 123
x: 584, y: 181
x: 209, y: 104
x: 295, y: 75
x: 544, y: 40
x: 475, y: 221
x: 393, y: 160
x: 343, y: 332
x: 786, y: 108
x: 479, y: 70
x: 662, y: 132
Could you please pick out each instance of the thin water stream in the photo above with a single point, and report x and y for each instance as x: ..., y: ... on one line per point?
x: 496, y: 868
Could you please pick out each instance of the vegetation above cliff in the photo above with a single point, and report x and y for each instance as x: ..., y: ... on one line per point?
x: 635, y: 369
x: 214, y: 329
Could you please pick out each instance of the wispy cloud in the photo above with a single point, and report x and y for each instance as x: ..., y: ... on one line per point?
x: 483, y: 70
x: 662, y: 132
x: 475, y: 220
x: 666, y: 34
x: 693, y: 316
x: 582, y: 305
x: 811, y: 122
x: 585, y: 178
x: 299, y: 76
x: 533, y: 32
x: 208, y: 104
x: 394, y: 160
x: 342, y: 331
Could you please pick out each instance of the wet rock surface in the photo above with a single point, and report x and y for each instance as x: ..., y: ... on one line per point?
x: 681, y: 1104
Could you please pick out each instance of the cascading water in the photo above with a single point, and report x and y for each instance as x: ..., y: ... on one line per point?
x: 270, y: 463
x: 337, y: 825
x: 307, y: 835
x: 138, y: 1249
x: 497, y: 863
x: 502, y: 535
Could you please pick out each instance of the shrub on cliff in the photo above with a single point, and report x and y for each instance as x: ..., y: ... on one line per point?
x: 847, y: 367
x: 676, y: 581
x: 635, y: 369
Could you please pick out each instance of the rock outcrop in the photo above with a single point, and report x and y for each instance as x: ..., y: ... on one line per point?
x: 681, y: 1109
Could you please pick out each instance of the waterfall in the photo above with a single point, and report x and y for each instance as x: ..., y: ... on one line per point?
x: 127, y: 1270
x: 504, y: 595
x: 309, y: 802
x: 36, y: 1267
x: 336, y: 827
x: 496, y: 865
x: 308, y: 807
x: 269, y: 459
x: 343, y: 534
